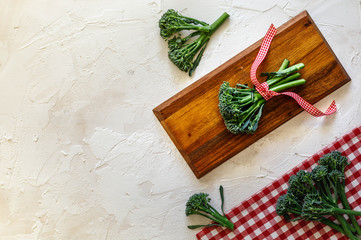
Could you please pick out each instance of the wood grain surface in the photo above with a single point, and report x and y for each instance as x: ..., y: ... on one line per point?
x: 192, y: 119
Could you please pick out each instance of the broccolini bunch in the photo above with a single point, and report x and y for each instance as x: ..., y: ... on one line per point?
x: 198, y: 204
x: 241, y: 106
x: 186, y: 52
x: 314, y: 196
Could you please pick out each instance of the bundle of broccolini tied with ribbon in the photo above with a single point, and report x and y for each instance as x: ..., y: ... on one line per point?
x: 186, y: 52
x: 241, y: 106
x: 314, y: 196
x: 198, y: 204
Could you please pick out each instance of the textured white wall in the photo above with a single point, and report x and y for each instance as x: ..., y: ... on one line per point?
x: 81, y: 154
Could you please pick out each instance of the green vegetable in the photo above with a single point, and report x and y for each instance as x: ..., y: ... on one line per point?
x: 186, y: 52
x: 336, y: 164
x: 199, y: 204
x: 241, y: 106
x: 314, y: 206
x: 289, y: 204
x: 173, y: 22
x: 313, y: 196
x: 301, y: 184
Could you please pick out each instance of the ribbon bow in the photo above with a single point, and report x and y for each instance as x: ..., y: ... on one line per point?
x: 268, y: 94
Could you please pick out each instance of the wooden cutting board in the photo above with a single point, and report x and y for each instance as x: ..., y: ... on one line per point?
x: 192, y: 119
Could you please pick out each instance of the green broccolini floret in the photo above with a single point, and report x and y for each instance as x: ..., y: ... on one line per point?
x: 320, y: 176
x: 182, y: 54
x: 288, y: 204
x: 186, y: 52
x: 173, y: 22
x: 334, y: 161
x: 336, y: 177
x: 241, y: 106
x: 199, y: 204
x: 301, y: 184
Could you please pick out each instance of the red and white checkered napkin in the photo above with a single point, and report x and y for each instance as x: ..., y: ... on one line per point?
x: 256, y: 217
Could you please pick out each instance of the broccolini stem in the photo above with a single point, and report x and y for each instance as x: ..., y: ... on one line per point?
x: 221, y: 193
x: 332, y: 225
x: 334, y: 202
x: 199, y: 57
x: 284, y: 69
x: 273, y: 80
x: 214, y: 26
x: 193, y: 34
x: 284, y: 65
x: 207, y: 216
x: 346, y: 205
x: 284, y: 80
x: 328, y: 192
x: 346, y: 211
x: 346, y: 228
x: 194, y: 27
x: 288, y: 85
x: 222, y: 219
x: 321, y: 220
x: 284, y: 72
x: 248, y: 99
x: 253, y: 108
x: 190, y: 48
x: 198, y: 226
x: 226, y: 223
x: 216, y: 217
x: 292, y: 69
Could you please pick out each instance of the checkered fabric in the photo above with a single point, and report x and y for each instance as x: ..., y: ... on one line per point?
x: 256, y: 218
x: 263, y: 88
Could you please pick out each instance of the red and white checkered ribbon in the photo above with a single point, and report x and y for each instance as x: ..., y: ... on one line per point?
x: 267, y: 94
